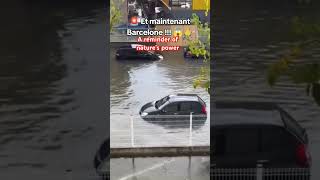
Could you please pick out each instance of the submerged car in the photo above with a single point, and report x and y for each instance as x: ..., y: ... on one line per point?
x: 244, y: 134
x: 129, y: 52
x: 178, y: 106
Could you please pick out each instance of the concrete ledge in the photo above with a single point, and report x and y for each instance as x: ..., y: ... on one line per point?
x: 160, y: 151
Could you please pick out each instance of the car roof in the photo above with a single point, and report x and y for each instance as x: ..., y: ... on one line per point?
x: 135, y: 45
x: 183, y: 97
x: 246, y: 113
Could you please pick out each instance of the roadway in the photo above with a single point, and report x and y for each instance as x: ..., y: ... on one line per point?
x: 175, y: 168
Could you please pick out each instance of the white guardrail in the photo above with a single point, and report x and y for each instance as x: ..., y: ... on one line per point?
x: 159, y: 131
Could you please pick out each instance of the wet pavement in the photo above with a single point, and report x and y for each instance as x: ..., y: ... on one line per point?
x: 179, y: 168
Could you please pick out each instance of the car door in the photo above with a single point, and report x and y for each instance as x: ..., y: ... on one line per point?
x: 170, y: 111
x: 277, y: 147
x: 185, y: 108
x: 236, y: 146
x: 132, y: 54
x: 189, y: 107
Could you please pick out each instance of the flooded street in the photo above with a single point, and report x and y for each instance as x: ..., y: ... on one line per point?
x: 53, y: 91
x: 248, y: 39
x: 53, y: 86
x: 135, y: 83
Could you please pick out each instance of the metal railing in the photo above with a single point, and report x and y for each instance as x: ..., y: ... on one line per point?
x: 159, y: 131
x: 260, y: 173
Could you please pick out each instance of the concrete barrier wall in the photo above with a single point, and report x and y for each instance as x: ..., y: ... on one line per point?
x: 160, y: 151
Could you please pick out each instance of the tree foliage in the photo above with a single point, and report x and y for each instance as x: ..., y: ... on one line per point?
x: 115, y: 14
x: 292, y: 64
x: 201, y: 47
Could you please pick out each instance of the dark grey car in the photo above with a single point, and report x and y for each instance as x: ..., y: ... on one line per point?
x: 247, y: 134
x: 174, y: 107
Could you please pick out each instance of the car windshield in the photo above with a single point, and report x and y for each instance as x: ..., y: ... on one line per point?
x: 161, y: 102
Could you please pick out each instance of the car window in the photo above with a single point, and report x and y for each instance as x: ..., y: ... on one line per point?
x: 276, y: 139
x: 161, y: 102
x: 173, y: 107
x: 185, y: 106
x: 196, y: 107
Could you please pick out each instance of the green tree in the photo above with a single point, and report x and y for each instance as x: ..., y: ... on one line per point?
x: 115, y: 13
x: 201, y: 47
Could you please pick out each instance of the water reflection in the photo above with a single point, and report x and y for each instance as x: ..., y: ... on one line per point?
x: 308, y: 74
x: 298, y: 63
x: 120, y: 74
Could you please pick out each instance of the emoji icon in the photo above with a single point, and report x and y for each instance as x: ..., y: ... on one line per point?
x: 177, y: 32
x: 187, y: 32
x: 134, y: 20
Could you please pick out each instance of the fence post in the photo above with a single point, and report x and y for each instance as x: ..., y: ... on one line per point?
x: 132, y: 132
x: 190, y: 130
x: 259, y: 172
